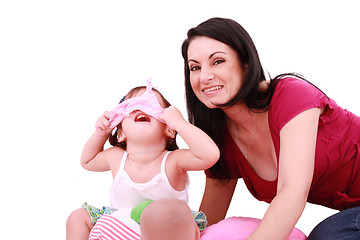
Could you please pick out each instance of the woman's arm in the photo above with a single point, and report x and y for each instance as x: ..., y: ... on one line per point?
x: 296, y: 168
x: 216, y: 199
x: 202, y: 153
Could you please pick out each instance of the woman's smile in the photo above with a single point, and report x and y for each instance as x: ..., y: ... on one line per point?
x: 216, y: 73
x: 213, y: 89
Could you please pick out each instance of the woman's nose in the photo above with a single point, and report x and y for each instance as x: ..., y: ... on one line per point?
x: 206, y: 75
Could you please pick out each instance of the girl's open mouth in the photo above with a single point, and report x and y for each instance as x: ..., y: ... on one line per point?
x: 141, y: 117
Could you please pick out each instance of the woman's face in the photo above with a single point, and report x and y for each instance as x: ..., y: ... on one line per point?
x: 216, y: 74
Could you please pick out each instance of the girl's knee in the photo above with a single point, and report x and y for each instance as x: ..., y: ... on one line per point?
x: 78, y: 225
x: 79, y: 216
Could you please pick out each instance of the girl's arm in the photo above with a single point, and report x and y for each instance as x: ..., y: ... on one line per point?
x: 296, y: 168
x: 202, y: 152
x: 215, y: 207
x: 93, y: 157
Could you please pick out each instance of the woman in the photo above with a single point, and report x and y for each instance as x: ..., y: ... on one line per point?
x: 289, y: 142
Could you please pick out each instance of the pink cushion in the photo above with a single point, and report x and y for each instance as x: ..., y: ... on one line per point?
x: 239, y: 228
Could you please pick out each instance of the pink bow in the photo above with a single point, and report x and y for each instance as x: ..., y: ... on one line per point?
x: 147, y: 103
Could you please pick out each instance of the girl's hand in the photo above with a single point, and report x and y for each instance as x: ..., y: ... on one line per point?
x: 172, y: 117
x: 102, y: 124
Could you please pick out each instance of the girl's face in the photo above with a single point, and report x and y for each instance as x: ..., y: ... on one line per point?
x: 216, y: 74
x: 139, y: 126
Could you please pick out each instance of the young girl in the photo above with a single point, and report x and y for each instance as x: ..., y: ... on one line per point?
x: 145, y: 161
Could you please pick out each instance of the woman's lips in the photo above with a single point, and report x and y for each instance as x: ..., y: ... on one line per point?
x: 212, y: 89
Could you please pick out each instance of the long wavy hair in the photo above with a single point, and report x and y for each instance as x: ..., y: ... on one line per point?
x: 213, y: 121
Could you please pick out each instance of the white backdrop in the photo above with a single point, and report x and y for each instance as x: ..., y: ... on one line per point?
x: 62, y: 63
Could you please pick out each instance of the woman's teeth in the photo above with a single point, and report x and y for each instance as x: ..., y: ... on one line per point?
x: 211, y: 89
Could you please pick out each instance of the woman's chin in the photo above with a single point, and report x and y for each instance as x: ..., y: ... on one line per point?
x: 212, y: 104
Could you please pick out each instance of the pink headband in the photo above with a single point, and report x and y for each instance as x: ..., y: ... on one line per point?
x: 147, y: 103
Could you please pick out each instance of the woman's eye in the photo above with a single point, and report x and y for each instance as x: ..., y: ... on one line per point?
x: 194, y: 68
x: 218, y: 61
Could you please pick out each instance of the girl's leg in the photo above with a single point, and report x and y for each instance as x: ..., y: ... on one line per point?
x: 168, y: 219
x: 344, y: 225
x: 78, y: 225
x: 109, y: 227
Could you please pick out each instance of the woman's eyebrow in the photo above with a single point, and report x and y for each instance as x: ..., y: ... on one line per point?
x: 210, y: 56
x: 192, y: 60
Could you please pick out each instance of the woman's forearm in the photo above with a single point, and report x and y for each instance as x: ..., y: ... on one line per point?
x: 280, y: 218
x: 217, y: 198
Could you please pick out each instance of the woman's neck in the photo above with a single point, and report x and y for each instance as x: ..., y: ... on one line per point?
x: 243, y: 118
x: 240, y: 114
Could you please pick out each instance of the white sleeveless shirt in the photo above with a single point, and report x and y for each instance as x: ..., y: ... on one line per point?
x: 125, y: 193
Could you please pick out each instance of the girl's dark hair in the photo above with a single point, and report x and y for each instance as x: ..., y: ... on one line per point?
x: 113, y: 140
x: 213, y: 121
